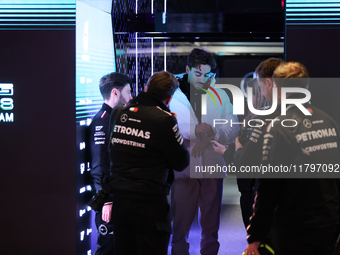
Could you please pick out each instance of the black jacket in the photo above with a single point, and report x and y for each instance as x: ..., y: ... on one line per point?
x: 145, y: 145
x: 298, y: 203
x: 97, y: 135
x: 251, y: 152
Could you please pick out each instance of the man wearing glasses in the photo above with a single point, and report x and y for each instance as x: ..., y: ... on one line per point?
x: 194, y: 189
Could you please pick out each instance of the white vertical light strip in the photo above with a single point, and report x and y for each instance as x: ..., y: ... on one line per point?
x: 164, y: 56
x: 165, y: 42
x: 164, y: 13
x: 136, y: 53
x: 204, y: 104
x: 151, y: 56
x: 136, y: 64
x: 151, y: 43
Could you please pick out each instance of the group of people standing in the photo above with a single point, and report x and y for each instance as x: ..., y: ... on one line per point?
x: 156, y: 139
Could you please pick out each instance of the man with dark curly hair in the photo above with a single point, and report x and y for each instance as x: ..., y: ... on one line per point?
x: 191, y: 190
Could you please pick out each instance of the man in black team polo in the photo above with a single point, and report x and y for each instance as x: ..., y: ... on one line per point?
x: 146, y: 146
x: 115, y: 89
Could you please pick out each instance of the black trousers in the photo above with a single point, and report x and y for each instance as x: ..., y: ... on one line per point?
x: 247, y: 187
x: 140, y: 227
x: 313, y: 241
x: 105, y: 243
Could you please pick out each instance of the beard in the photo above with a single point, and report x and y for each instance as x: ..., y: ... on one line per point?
x: 121, y: 100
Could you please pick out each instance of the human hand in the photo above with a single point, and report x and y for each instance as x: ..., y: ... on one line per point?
x: 199, y: 147
x: 219, y: 148
x: 252, y: 249
x: 106, y: 212
x: 205, y: 128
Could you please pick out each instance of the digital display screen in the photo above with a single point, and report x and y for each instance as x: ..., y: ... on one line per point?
x: 312, y: 39
x: 37, y: 126
x: 37, y: 14
x: 95, y: 57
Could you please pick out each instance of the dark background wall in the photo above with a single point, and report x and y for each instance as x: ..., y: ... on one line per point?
x: 37, y: 159
x: 318, y: 49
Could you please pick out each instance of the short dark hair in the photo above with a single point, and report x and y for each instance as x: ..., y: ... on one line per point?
x: 162, y: 85
x: 200, y: 57
x: 295, y: 71
x: 111, y: 81
x: 266, y: 68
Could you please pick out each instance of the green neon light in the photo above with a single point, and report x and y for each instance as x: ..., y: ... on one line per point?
x: 40, y: 6
x: 41, y: 24
x: 22, y: 2
x: 37, y: 15
x: 313, y: 9
x: 40, y: 20
x: 313, y: 5
x: 314, y: 23
x: 37, y: 11
x: 89, y: 111
x: 312, y: 14
x: 314, y: 19
x: 311, y: 1
x: 47, y: 29
x: 88, y: 107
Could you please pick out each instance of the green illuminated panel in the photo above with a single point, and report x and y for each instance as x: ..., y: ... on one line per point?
x: 94, y: 58
x: 313, y: 12
x: 37, y: 15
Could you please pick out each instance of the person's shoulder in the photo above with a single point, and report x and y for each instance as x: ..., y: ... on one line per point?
x: 178, y: 96
x: 179, y: 76
x: 154, y: 112
x: 223, y: 95
x: 102, y: 117
x: 281, y: 126
x: 165, y: 114
x: 221, y: 92
x: 318, y: 112
x: 157, y: 118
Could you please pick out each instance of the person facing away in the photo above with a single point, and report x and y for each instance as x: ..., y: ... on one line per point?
x: 248, y: 151
x: 146, y: 145
x: 301, y: 215
x: 115, y: 89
